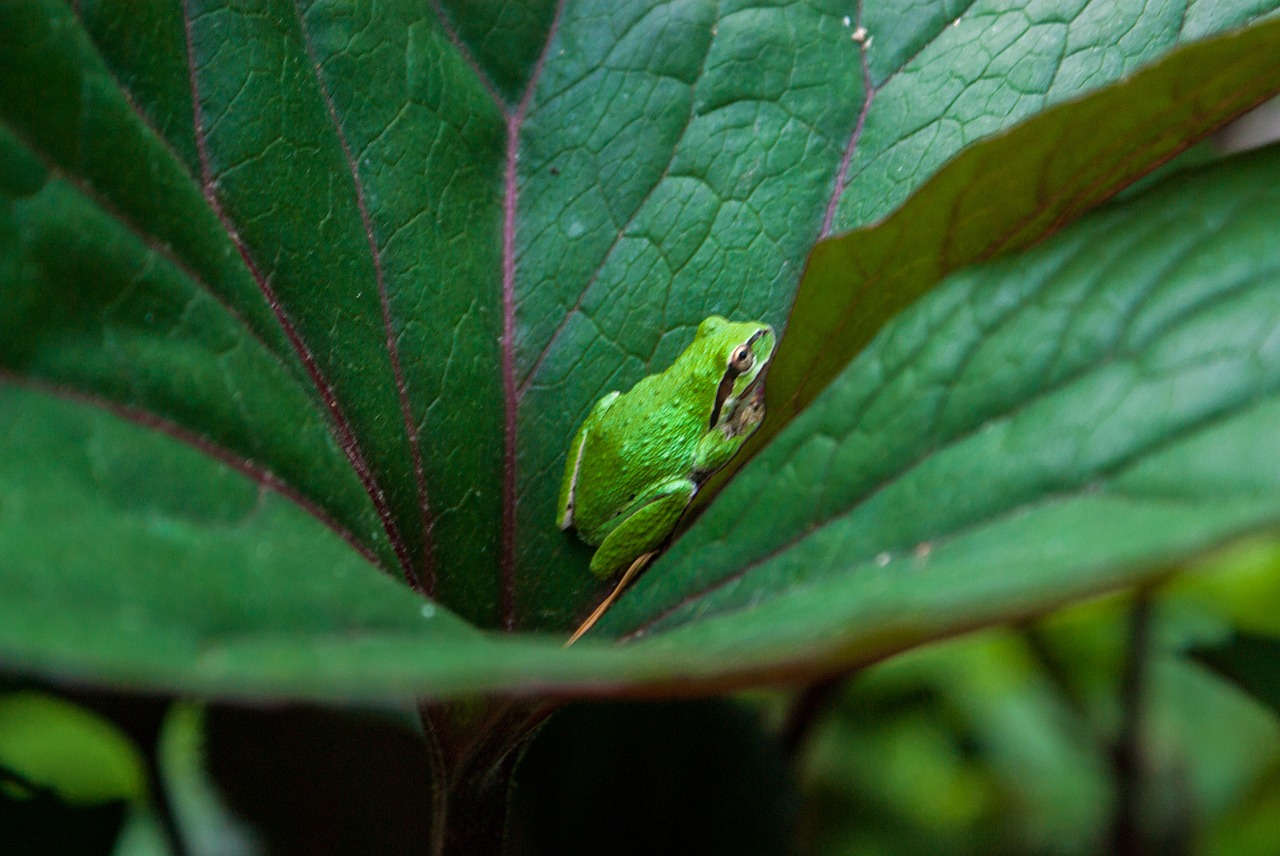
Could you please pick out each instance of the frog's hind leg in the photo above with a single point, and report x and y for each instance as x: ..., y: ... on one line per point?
x: 644, y: 529
x: 569, y: 485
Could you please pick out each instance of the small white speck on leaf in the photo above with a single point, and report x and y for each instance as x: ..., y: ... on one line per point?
x: 923, y: 549
x: 956, y: 22
x: 860, y: 36
x: 575, y: 229
x: 428, y: 610
x: 847, y: 20
x: 882, y: 559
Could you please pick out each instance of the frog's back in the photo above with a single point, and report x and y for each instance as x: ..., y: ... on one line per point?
x: 648, y: 438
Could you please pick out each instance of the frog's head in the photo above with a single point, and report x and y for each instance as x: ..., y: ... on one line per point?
x: 740, y: 353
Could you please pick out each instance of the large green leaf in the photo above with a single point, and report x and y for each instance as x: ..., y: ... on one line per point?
x: 1005, y: 195
x: 294, y: 291
x: 1035, y: 429
x: 214, y: 552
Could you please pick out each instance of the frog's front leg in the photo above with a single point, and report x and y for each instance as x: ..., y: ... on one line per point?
x: 714, y: 451
x: 654, y: 516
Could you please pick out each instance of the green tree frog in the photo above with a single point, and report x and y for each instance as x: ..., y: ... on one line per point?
x: 640, y: 456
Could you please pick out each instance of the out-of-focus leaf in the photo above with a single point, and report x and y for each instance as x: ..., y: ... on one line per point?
x: 61, y: 747
x: 1060, y: 423
x: 1252, y: 662
x: 142, y: 835
x: 201, y: 817
x: 67, y: 777
x: 959, y: 748
x: 1003, y: 742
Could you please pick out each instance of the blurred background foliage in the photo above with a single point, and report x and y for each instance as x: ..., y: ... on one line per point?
x: 1109, y: 727
x: 1092, y: 730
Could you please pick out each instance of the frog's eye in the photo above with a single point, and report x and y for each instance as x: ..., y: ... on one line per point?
x: 741, y: 359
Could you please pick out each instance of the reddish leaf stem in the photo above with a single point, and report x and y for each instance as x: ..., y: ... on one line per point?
x: 510, y: 203
x: 342, y: 428
x: 423, y: 579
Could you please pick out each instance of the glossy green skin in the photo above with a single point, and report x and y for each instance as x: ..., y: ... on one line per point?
x: 639, y: 458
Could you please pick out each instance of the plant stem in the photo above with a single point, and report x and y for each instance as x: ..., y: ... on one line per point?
x: 141, y: 718
x: 473, y: 751
x: 1053, y: 669
x: 475, y: 812
x: 1128, y: 757
x: 807, y: 709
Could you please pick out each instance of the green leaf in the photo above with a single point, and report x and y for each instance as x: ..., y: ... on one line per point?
x: 721, y: 231
x: 55, y: 745
x: 297, y: 292
x: 1249, y: 660
x: 200, y: 816
x: 956, y: 743
x: 1004, y: 196
x: 215, y: 552
x: 961, y: 71
x: 990, y: 739
x: 1060, y: 423
x: 1035, y: 431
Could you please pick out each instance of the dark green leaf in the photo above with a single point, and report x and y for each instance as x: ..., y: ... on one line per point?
x: 216, y: 553
x: 741, y: 185
x: 1055, y: 424
x: 297, y: 290
x: 1252, y: 662
x: 1006, y: 195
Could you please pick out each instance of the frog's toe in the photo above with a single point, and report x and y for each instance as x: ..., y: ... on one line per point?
x: 604, y: 564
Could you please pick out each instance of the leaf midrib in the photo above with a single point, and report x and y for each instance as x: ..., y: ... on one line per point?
x: 514, y: 121
x: 341, y: 428
x: 422, y: 581
x: 259, y: 473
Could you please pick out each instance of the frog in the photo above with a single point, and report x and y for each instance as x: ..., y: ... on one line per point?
x: 639, y: 458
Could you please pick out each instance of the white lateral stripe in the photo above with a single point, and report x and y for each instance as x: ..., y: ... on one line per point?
x: 573, y: 486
